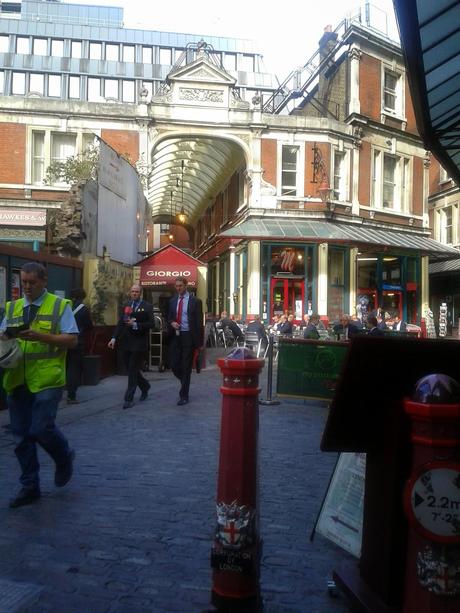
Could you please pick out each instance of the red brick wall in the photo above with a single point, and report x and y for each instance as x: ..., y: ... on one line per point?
x: 268, y: 160
x: 12, y: 153
x: 418, y: 186
x: 410, y: 114
x: 370, y: 86
x: 365, y: 161
x: 125, y: 142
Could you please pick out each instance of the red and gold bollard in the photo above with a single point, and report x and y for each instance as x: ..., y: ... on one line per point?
x: 432, y: 498
x: 235, y: 555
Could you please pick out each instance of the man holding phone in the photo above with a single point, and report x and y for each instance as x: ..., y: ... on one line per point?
x: 45, y: 328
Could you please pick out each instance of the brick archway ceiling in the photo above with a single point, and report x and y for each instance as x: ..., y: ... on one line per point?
x: 208, y: 163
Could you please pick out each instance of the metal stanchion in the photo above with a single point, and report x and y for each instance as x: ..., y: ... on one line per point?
x: 269, y: 400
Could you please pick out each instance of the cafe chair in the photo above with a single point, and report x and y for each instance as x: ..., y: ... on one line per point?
x: 253, y: 342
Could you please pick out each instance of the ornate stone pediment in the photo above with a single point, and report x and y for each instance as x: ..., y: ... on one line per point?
x: 201, y: 71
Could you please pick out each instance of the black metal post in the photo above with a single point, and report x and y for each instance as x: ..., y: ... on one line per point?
x: 269, y: 400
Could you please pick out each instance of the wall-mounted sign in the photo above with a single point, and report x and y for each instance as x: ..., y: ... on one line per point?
x: 22, y: 217
x: 166, y: 275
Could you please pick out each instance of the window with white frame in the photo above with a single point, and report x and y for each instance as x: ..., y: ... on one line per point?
x: 74, y: 87
x: 40, y: 46
x: 2, y: 82
x: 447, y: 227
x: 22, y: 45
x: 392, y: 93
x: 57, y: 48
x: 340, y: 184
x: 147, y: 56
x: 112, y: 52
x: 48, y: 146
x: 37, y: 83
x: 4, y: 44
x: 128, y: 53
x: 289, y: 163
x: 54, y: 85
x: 391, y: 176
x: 95, y: 51
x: 111, y: 88
x: 76, y: 49
x: 18, y: 84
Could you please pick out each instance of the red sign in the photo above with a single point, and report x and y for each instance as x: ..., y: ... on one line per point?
x: 168, y: 263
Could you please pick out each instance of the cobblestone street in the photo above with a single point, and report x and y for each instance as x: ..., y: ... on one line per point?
x: 133, y: 530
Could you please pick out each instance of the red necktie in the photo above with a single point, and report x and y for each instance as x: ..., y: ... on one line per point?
x: 179, y: 310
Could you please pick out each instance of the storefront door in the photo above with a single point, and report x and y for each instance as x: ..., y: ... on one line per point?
x: 287, y: 296
x: 392, y: 302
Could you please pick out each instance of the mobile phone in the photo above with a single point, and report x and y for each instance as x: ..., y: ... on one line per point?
x: 15, y: 331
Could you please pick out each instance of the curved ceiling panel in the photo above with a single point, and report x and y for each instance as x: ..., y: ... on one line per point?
x: 189, y: 173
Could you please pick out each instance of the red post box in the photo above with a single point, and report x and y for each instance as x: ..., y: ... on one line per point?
x: 235, y: 556
x: 432, y: 498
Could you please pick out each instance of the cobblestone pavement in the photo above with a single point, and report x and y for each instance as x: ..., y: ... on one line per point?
x: 132, y: 532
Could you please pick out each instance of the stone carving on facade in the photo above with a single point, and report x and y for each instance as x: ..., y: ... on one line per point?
x: 197, y: 94
x: 236, y: 102
x: 65, y: 226
x: 427, y: 159
x: 358, y: 134
x: 266, y: 188
x: 202, y: 73
x: 143, y: 95
x: 164, y: 95
x: 355, y: 54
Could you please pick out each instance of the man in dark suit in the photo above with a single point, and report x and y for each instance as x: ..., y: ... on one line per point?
x: 399, y: 325
x: 373, y: 327
x: 234, y: 328
x: 311, y: 330
x: 75, y: 356
x: 132, y: 334
x: 185, y: 318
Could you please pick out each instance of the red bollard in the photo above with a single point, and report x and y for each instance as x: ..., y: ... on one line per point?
x: 432, y: 498
x: 235, y: 555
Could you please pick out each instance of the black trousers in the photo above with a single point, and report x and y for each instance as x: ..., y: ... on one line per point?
x: 181, y: 356
x: 74, y: 370
x: 134, y: 360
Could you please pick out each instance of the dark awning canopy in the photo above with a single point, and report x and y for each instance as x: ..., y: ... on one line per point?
x: 350, y: 234
x: 430, y: 38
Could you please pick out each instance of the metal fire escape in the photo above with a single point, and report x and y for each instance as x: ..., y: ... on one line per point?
x: 301, y: 81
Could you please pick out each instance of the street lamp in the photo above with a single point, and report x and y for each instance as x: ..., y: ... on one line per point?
x: 181, y: 216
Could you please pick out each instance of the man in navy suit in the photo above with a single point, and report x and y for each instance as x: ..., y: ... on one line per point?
x: 399, y: 325
x: 185, y: 318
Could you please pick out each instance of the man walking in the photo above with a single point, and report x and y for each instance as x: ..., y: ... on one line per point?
x: 75, y: 356
x: 132, y: 334
x: 45, y: 328
x: 185, y: 318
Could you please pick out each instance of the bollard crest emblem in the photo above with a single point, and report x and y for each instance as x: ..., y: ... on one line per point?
x: 235, y: 525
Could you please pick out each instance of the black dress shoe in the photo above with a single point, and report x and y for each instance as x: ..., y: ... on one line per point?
x: 128, y: 404
x: 182, y: 401
x: 64, y: 471
x: 144, y: 394
x: 25, y: 496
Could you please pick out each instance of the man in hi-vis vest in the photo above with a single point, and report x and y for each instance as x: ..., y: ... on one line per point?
x: 45, y: 328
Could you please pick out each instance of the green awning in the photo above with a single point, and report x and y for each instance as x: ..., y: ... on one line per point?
x: 335, y: 232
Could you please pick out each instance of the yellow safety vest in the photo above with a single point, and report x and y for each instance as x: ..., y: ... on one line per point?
x: 42, y: 365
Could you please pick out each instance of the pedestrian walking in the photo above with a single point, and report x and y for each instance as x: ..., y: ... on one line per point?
x: 75, y: 356
x: 45, y: 328
x: 132, y: 333
x: 185, y: 318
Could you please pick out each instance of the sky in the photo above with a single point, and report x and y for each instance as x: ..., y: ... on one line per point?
x: 285, y: 37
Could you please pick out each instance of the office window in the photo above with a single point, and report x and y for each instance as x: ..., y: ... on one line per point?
x: 94, y: 90
x: 247, y: 63
x: 18, y: 87
x: 75, y: 49
x: 95, y: 51
x: 165, y: 56
x: 392, y: 92
x: 57, y: 48
x: 22, y: 45
x: 112, y: 52
x: 229, y: 61
x: 448, y: 226
x: 111, y: 88
x: 148, y: 85
x: 391, y: 182
x: 54, y: 86
x: 289, y: 170
x: 4, y: 44
x: 38, y: 157
x: 147, y: 56
x: 74, y: 87
x: 177, y: 54
x: 37, y: 83
x: 340, y: 176
x: 2, y: 82
x: 40, y: 46
x: 49, y: 146
x: 128, y: 91
x: 128, y: 53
